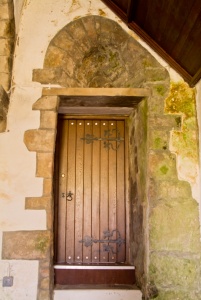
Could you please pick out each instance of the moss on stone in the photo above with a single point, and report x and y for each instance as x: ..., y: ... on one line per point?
x: 160, y: 90
x: 176, y: 272
x: 42, y: 243
x: 164, y: 169
x: 181, y: 100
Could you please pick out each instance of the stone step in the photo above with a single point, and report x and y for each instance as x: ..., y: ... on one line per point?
x: 98, y: 294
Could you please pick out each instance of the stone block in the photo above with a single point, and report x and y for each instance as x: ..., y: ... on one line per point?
x: 69, y: 66
x: 63, y: 41
x: 162, y: 165
x: 5, y: 79
x: 6, y: 28
x: 178, y: 295
x: 158, y: 140
x: 4, y: 100
x: 5, y: 46
x: 163, y: 190
x: 173, y: 271
x: 156, y: 74
x: 46, y: 103
x: 5, y: 64
x: 3, y: 124
x: 6, y: 10
x: 156, y: 106
x: 54, y: 58
x: 89, y: 25
x: 44, y: 295
x: 44, y: 165
x: 48, y: 120
x: 165, y: 122
x: 26, y: 244
x: 6, y: 1
x: 159, y: 89
x: 174, y: 226
x: 76, y: 30
x: 45, y: 283
x: 46, y: 76
x: 37, y: 202
x: 47, y: 186
x: 40, y: 140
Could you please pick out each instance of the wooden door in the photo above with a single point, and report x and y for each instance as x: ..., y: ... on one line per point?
x: 91, y: 212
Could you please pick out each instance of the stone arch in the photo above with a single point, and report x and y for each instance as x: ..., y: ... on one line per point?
x: 78, y: 56
x: 96, y: 52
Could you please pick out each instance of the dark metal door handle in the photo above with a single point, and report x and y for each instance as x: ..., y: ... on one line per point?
x: 69, y: 196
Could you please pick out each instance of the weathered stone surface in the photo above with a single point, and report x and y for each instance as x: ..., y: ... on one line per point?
x: 55, y: 57
x: 168, y: 122
x: 159, y: 140
x: 89, y: 25
x: 5, y: 63
x: 6, y: 29
x: 37, y: 202
x: 26, y: 244
x: 5, y: 80
x: 46, y: 103
x: 48, y: 120
x: 5, y: 46
x: 40, y: 140
x: 6, y: 11
x: 156, y: 74
x: 179, y: 295
x: 62, y: 40
x: 44, y: 165
x: 44, y: 295
x: 170, y: 189
x: 47, y: 75
x: 174, y: 226
x: 47, y: 187
x: 90, y: 57
x: 174, y: 272
x: 155, y: 106
x: 4, y: 102
x: 162, y: 165
x: 44, y: 283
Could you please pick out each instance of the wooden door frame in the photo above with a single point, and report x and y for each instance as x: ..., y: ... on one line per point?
x: 124, y: 101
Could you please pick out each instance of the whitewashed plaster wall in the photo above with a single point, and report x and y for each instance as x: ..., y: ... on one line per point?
x: 37, y: 23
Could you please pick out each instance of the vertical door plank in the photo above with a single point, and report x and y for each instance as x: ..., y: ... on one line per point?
x: 79, y: 191
x: 127, y: 198
x: 112, y: 188
x: 95, y: 191
x: 70, y: 222
x: 121, y: 191
x: 87, y: 190
x: 104, y: 210
x: 62, y: 193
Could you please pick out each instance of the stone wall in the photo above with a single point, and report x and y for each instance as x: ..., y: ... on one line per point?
x: 7, y: 35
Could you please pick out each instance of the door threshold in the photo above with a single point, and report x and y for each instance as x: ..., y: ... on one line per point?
x: 95, y: 267
x: 97, y: 293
